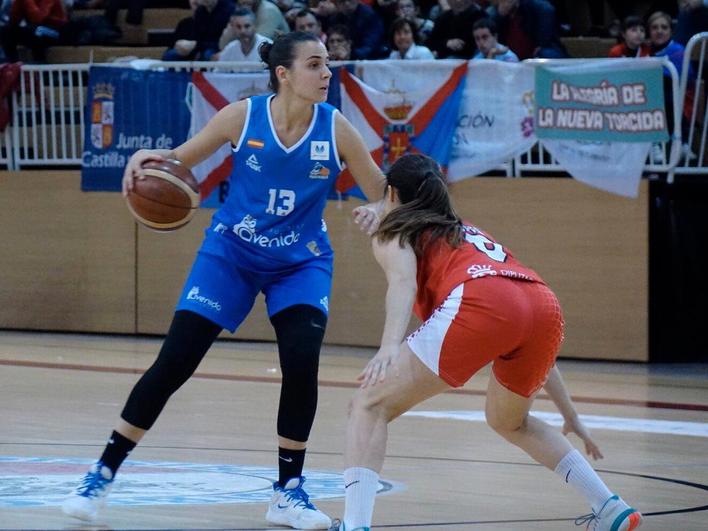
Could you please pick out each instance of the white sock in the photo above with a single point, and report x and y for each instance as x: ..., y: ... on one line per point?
x: 360, y: 486
x: 575, y: 470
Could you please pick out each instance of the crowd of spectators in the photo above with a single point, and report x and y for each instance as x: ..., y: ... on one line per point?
x: 507, y: 30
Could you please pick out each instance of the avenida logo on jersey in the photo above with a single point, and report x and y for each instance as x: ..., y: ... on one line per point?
x: 246, y: 230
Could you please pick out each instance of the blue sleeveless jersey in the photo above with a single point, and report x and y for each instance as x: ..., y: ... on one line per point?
x: 272, y: 218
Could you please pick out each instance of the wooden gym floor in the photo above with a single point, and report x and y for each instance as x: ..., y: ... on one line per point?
x: 209, y: 460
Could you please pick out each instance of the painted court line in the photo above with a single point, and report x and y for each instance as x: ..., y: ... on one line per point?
x: 597, y: 422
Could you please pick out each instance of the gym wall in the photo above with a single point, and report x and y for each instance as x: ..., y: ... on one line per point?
x: 76, y: 261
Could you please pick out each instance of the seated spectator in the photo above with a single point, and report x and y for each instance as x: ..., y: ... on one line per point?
x: 528, y: 27
x: 633, y: 35
x: 366, y: 28
x: 324, y: 9
x: 452, y: 35
x: 35, y: 24
x: 270, y: 22
x: 662, y: 45
x: 339, y: 43
x: 485, y: 37
x: 245, y: 46
x: 134, y: 15
x: 405, y: 41
x: 210, y: 19
x: 692, y: 19
x: 183, y: 40
x: 424, y: 26
x: 307, y: 21
x: 289, y: 8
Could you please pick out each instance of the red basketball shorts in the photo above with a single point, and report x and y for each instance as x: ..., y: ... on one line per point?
x: 515, y: 324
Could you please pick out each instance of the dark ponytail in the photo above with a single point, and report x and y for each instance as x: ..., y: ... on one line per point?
x: 425, y: 205
x: 282, y: 52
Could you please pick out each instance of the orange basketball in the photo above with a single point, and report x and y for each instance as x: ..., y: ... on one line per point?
x: 167, y: 198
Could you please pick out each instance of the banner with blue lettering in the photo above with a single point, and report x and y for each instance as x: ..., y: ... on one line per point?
x: 127, y: 110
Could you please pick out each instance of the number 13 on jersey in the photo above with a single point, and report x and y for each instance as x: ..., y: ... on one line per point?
x: 280, y: 201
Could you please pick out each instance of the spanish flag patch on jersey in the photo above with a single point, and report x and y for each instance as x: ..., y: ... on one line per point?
x: 258, y: 144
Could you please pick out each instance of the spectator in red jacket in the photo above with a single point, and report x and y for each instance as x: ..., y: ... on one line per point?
x: 633, y: 39
x: 43, y: 19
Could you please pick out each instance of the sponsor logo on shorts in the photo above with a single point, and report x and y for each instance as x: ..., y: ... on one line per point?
x: 479, y: 271
x: 514, y: 274
x: 194, y: 295
x: 246, y: 230
x: 314, y: 249
x: 324, y: 301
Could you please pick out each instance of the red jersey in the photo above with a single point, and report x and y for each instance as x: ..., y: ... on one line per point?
x: 442, y: 267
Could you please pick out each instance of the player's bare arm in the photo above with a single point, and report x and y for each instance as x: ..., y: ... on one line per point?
x: 354, y: 153
x: 400, y: 267
x: 225, y: 126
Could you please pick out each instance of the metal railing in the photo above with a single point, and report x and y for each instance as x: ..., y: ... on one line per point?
x: 693, y: 152
x: 48, y: 119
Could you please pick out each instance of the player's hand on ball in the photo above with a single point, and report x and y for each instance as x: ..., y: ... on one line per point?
x: 134, y: 168
x: 367, y: 217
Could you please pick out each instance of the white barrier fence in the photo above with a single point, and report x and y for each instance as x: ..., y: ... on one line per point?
x: 48, y: 120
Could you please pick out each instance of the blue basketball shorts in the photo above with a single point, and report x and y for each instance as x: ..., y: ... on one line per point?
x: 224, y: 294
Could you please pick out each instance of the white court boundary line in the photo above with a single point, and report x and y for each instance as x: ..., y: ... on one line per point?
x: 596, y: 422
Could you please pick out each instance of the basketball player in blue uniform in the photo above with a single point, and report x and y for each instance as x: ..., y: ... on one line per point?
x: 268, y: 237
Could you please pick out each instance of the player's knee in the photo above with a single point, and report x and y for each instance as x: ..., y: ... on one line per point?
x: 369, y: 401
x: 503, y: 423
x: 300, y: 330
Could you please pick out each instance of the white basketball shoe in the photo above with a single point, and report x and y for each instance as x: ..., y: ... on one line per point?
x: 90, y: 496
x: 290, y: 506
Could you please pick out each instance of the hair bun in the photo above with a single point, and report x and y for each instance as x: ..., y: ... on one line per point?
x: 264, y: 51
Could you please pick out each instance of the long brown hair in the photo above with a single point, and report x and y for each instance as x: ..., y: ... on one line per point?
x: 425, y: 205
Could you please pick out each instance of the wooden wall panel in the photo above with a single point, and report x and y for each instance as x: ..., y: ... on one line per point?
x: 68, y: 261
x: 590, y: 246
x: 67, y: 258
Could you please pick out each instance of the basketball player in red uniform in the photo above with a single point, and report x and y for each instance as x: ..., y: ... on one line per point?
x: 478, y: 305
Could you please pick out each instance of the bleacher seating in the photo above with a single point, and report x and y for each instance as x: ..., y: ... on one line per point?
x: 100, y: 54
x: 588, y: 46
x: 159, y: 20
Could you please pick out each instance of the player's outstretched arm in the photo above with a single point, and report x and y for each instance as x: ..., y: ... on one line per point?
x: 400, y: 267
x: 225, y: 126
x: 556, y: 389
